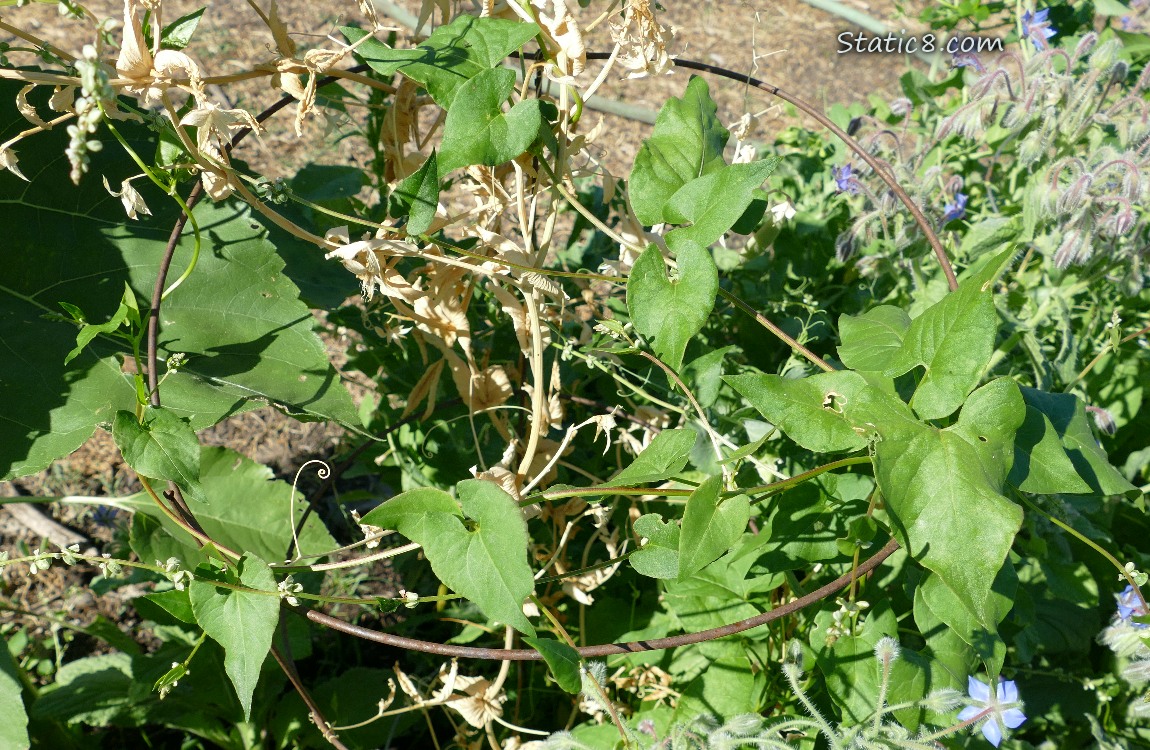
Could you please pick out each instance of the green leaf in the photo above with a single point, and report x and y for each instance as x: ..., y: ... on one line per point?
x: 810, y: 411
x: 93, y: 690
x: 245, y: 508
x: 728, y: 687
x: 1111, y: 8
x: 562, y: 660
x: 853, y: 674
x: 1041, y: 465
x: 478, y: 131
x: 989, y: 235
x: 870, y: 340
x: 178, y: 34
x: 705, y: 375
x: 713, y: 202
x: 953, y: 341
x: 174, y: 602
x: 711, y: 526
x: 418, y: 196
x: 242, y: 622
x: 452, y: 55
x: 662, y: 459
x: 659, y: 557
x: 1067, y: 417
x: 943, y: 491
x: 484, y: 559
x: 14, y: 727
x: 90, y: 331
x: 163, y: 446
x: 248, y: 337
x: 669, y: 311
x: 942, y: 604
x: 687, y: 142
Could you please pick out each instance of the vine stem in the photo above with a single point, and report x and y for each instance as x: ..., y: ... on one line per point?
x: 607, y: 649
x: 852, y: 144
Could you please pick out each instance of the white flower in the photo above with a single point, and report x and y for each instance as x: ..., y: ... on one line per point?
x: 214, y: 123
x: 287, y: 589
x: 130, y: 197
x: 781, y: 212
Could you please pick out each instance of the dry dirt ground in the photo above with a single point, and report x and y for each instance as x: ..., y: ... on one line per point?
x: 785, y: 42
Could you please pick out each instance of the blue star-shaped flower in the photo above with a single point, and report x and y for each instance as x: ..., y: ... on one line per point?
x: 996, y: 711
x: 956, y: 210
x: 1129, y: 605
x: 845, y: 179
x: 1036, y: 27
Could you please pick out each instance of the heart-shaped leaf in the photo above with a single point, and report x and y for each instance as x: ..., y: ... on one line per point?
x: 668, y: 311
x: 477, y: 547
x: 478, y: 131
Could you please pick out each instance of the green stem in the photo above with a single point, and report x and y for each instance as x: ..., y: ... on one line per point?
x: 1090, y: 543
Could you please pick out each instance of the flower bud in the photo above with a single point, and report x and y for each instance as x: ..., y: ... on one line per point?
x: 887, y: 650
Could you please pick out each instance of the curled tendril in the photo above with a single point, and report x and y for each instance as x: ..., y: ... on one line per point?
x: 323, y: 473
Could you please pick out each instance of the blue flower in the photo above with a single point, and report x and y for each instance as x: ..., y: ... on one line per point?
x: 1129, y: 605
x: 105, y: 516
x: 956, y: 210
x: 845, y: 179
x: 1036, y: 27
x: 1000, y: 709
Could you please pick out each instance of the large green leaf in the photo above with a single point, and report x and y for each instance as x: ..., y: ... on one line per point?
x: 982, y: 637
x: 245, y: 509
x: 248, y: 337
x: 671, y: 312
x: 871, y: 339
x: 943, y: 491
x: 162, y: 446
x: 711, y: 526
x: 93, y: 690
x: 662, y: 459
x: 687, y: 142
x: 478, y: 131
x: 14, y: 728
x: 453, y: 54
x: 953, y: 341
x: 712, y: 203
x: 477, y: 547
x: 1040, y: 462
x: 1066, y: 415
x: 242, y: 622
x: 810, y: 410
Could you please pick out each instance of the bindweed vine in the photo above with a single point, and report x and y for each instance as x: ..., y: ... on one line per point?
x: 822, y: 440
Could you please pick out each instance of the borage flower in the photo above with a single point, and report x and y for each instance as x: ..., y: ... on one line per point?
x: 995, y: 710
x: 1130, y: 605
x: 954, y: 211
x: 1036, y: 27
x: 846, y: 180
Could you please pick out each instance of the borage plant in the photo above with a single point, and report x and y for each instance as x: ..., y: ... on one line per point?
x: 583, y: 432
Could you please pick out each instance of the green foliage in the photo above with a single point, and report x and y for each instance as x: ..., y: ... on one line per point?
x: 471, y: 544
x: 687, y: 143
x: 531, y: 426
x: 162, y: 446
x: 672, y: 311
x: 241, y: 621
x: 478, y: 131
